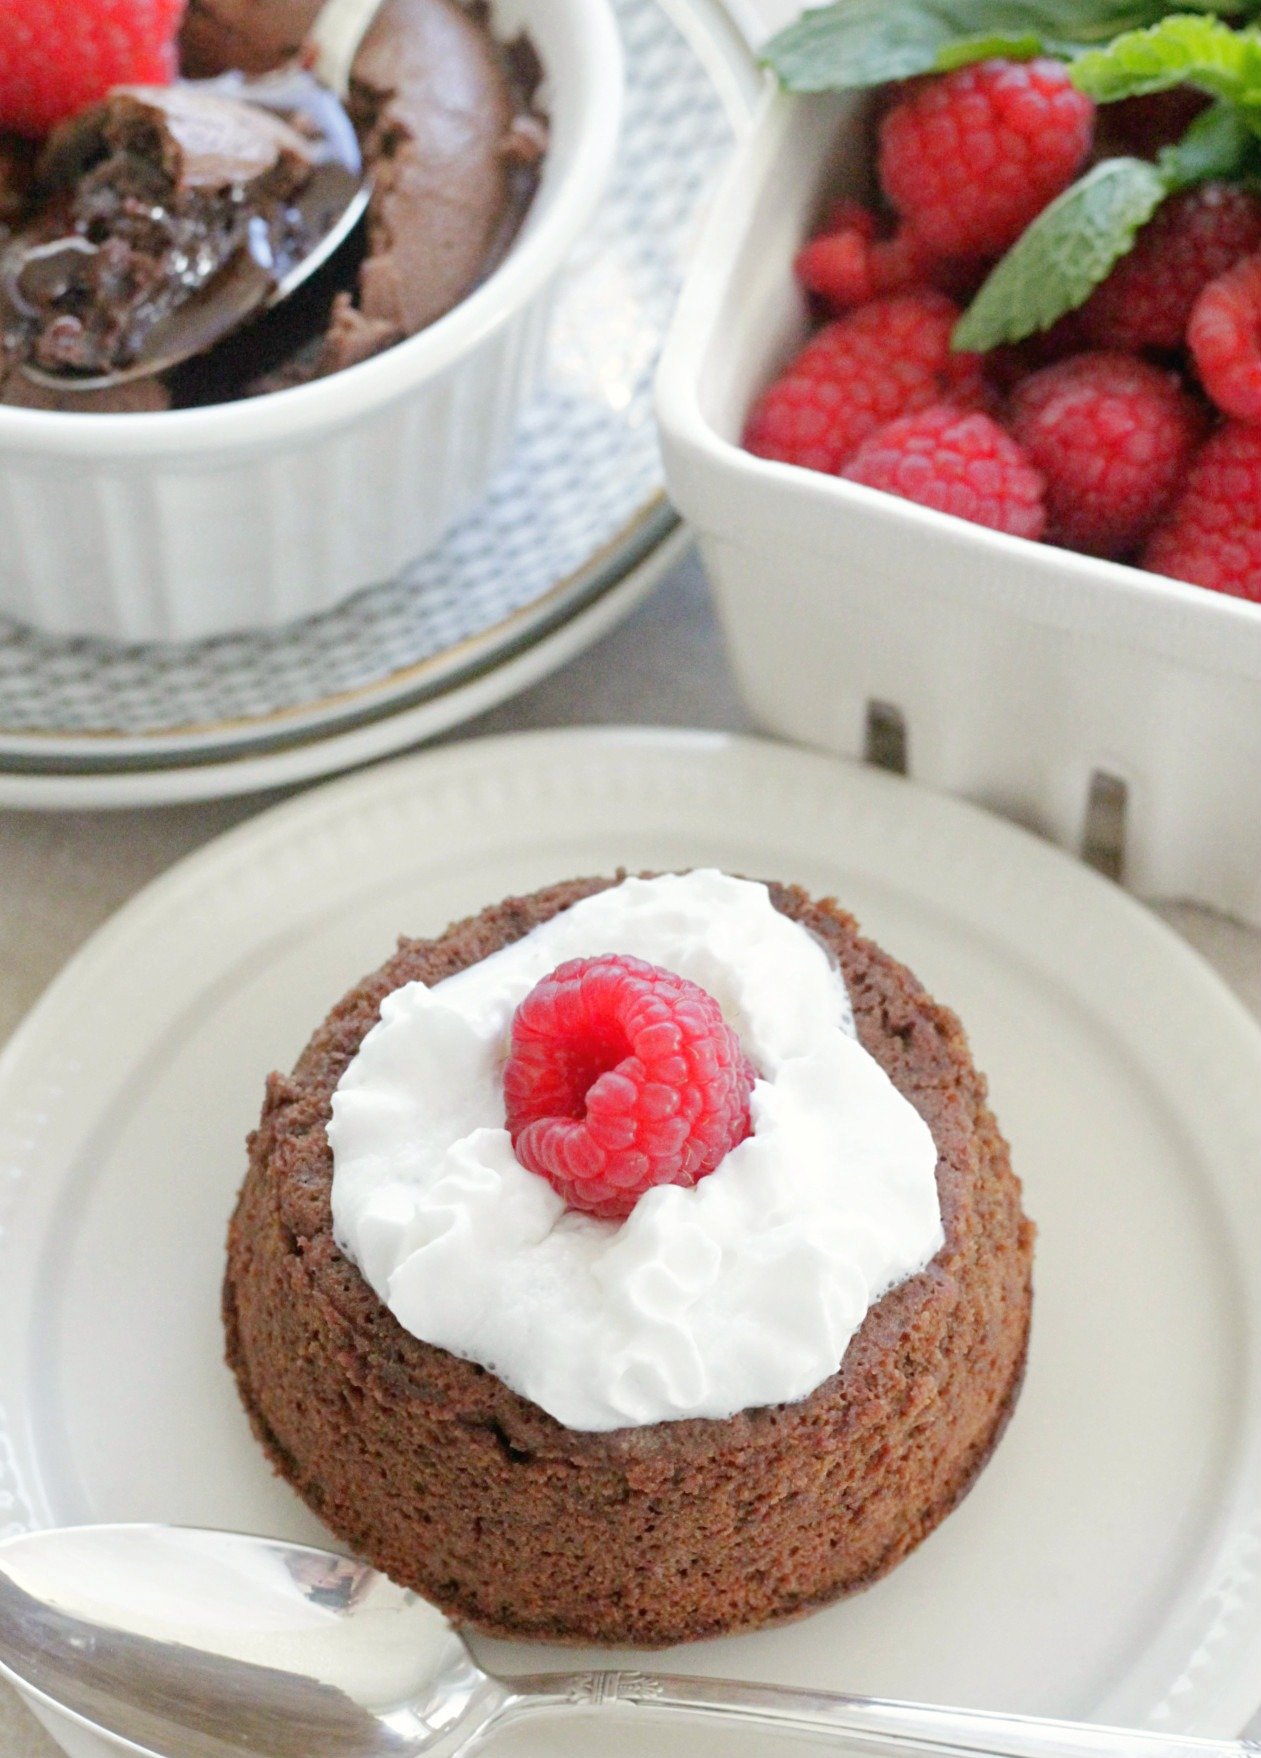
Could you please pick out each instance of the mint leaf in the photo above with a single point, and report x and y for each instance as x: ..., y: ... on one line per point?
x: 970, y: 49
x: 1067, y: 251
x: 853, y: 44
x: 1219, y: 143
x: 857, y: 43
x: 1181, y: 50
x: 1074, y: 243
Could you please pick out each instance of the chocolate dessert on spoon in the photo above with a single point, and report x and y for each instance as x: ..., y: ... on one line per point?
x: 169, y: 216
x: 439, y: 109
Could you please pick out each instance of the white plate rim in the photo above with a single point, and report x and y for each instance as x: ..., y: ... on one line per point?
x: 381, y: 736
x: 1112, y: 937
x: 275, y: 730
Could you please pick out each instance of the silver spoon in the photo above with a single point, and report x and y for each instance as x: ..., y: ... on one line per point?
x: 213, y: 1645
x: 333, y: 203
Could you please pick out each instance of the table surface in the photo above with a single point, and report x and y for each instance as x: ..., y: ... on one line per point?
x: 61, y: 875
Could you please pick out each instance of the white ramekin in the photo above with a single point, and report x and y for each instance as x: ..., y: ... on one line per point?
x: 1027, y: 678
x: 179, y: 526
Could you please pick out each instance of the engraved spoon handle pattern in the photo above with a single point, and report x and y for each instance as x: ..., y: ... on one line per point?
x: 867, y: 1724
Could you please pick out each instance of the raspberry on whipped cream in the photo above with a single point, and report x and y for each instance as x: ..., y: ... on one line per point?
x: 622, y: 1077
x: 741, y: 1291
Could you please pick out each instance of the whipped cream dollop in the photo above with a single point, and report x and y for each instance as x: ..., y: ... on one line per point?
x: 740, y: 1292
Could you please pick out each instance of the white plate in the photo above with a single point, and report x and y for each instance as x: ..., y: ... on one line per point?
x: 1106, y: 1563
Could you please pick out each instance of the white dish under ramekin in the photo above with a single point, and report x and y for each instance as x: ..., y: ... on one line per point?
x: 198, y: 522
x: 1032, y: 680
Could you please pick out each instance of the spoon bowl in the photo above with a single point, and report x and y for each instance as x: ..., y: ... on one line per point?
x: 213, y: 1644
x: 330, y: 206
x: 170, y: 1640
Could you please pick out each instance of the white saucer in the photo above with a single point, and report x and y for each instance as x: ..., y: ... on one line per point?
x: 1106, y: 1565
x: 140, y: 782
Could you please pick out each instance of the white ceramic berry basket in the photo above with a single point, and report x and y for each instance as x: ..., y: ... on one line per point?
x: 198, y: 522
x: 1043, y: 684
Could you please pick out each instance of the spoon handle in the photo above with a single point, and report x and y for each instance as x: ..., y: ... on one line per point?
x: 869, y: 1724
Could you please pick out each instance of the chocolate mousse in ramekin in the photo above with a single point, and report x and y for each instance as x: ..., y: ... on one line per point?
x: 338, y: 437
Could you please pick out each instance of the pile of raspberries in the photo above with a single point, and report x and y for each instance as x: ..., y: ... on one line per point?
x: 1131, y: 429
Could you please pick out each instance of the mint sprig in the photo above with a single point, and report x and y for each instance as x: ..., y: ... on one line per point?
x: 1073, y: 245
x: 1116, y: 49
x: 1064, y: 254
x: 1181, y: 50
x: 855, y: 44
x: 1219, y: 143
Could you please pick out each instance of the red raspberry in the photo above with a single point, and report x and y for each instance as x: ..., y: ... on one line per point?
x: 1225, y: 338
x: 885, y: 359
x: 846, y: 215
x: 1212, y: 536
x: 958, y: 461
x: 1193, y: 237
x: 970, y: 158
x: 622, y: 1076
x: 1113, y: 436
x: 58, y: 56
x: 848, y: 264
x: 849, y: 267
x: 1010, y: 362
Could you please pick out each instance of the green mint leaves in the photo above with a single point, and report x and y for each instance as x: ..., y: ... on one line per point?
x: 854, y: 44
x: 1065, y: 253
x: 1219, y: 143
x: 1060, y: 259
x: 1116, y: 49
x: 1185, y: 49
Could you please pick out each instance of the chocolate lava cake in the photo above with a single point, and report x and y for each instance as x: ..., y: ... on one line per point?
x: 437, y: 1472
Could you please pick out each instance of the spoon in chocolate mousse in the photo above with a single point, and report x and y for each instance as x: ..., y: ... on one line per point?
x: 169, y: 216
x: 213, y: 1645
